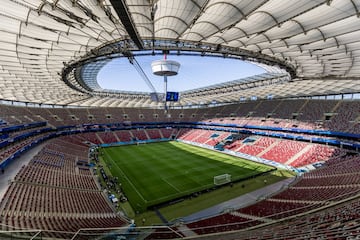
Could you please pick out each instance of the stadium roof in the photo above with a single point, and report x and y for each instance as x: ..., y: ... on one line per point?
x: 51, y: 50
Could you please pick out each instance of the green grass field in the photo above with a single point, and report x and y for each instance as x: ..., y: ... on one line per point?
x: 159, y: 172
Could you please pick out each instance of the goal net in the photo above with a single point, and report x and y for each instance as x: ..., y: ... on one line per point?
x: 222, y: 179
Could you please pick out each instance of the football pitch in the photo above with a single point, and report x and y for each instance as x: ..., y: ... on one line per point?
x: 155, y: 173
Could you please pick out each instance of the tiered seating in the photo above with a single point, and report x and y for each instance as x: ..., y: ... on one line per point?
x: 90, y: 137
x: 73, y: 140
x: 207, y: 137
x: 53, y: 160
x: 62, y: 227
x: 139, y: 134
x: 9, y: 150
x: 221, y: 223
x: 60, y: 117
x: 269, y: 122
x: 348, y: 179
x: 314, y: 110
x: 283, y: 151
x: 203, y: 136
x: 81, y: 116
x: 167, y: 133
x: 124, y: 136
x: 24, y: 131
x: 153, y: 133
x: 52, y: 193
x: 265, y: 108
x: 39, y: 195
x: 278, y: 150
x: 132, y: 114
x: 339, y: 222
x: 305, y: 195
x: 318, y: 194
x: 115, y: 113
x: 276, y: 210
x: 234, y: 145
x: 341, y: 165
x: 228, y: 110
x: 213, y: 140
x: 314, y: 154
x: 100, y: 115
x: 190, y: 135
x: 164, y: 233
x: 45, y: 175
x: 258, y: 146
x: 282, y: 113
x: 245, y: 108
x: 347, y: 113
x: 15, y: 115
x: 251, y: 149
x: 30, y: 199
x: 182, y: 133
x: 327, y: 183
x: 78, y: 150
x: 44, y: 114
x: 356, y: 128
x: 107, y: 137
x: 286, y: 108
x: 146, y: 115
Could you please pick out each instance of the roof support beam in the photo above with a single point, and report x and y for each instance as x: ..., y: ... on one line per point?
x: 200, y: 12
x: 356, y: 9
x: 270, y: 15
x: 279, y: 23
x: 230, y: 4
x: 169, y: 29
x: 177, y: 18
x: 269, y: 40
x: 302, y: 27
x: 322, y: 34
x: 124, y: 15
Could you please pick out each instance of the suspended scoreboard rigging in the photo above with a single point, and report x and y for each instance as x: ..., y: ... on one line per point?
x: 166, y: 68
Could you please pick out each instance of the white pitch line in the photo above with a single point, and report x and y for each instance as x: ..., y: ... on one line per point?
x: 127, y: 178
x: 171, y: 185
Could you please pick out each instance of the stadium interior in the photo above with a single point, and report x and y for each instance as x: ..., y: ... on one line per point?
x: 301, y: 116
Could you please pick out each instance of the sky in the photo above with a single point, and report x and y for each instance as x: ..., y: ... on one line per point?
x: 195, y: 72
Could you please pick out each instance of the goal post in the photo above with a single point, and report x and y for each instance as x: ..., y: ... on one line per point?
x: 222, y: 179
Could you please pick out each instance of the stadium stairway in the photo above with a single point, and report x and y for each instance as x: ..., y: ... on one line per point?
x: 239, y: 148
x: 161, y: 134
x: 116, y: 136
x: 297, y: 155
x: 242, y: 215
x: 295, y: 201
x: 98, y: 137
x: 353, y: 124
x: 131, y: 135
x: 268, y: 148
x: 187, y: 232
x: 30, y: 119
x: 336, y: 107
x: 147, y: 134
x: 328, y: 187
x: 303, y: 106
